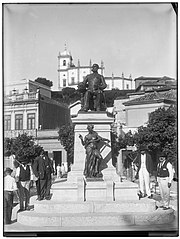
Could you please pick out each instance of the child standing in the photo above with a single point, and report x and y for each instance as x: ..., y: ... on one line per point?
x: 58, y: 168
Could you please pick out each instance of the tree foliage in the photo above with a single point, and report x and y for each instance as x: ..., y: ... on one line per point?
x: 119, y: 143
x: 160, y: 135
x: 68, y: 91
x: 70, y: 95
x: 67, y: 96
x: 66, y: 138
x: 7, y: 146
x: 111, y: 95
x: 23, y: 147
x: 44, y: 81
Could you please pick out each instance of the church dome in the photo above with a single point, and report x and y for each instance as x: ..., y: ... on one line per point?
x: 65, y: 52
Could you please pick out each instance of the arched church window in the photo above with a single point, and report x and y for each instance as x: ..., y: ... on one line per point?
x: 64, y: 62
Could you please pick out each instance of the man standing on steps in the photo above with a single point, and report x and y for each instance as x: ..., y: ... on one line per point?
x: 24, y: 176
x: 42, y: 168
x: 164, y: 178
x: 145, y: 168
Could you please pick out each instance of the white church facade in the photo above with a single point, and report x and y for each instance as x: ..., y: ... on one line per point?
x: 70, y: 75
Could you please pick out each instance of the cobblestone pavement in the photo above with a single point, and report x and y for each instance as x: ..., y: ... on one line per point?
x: 152, y: 229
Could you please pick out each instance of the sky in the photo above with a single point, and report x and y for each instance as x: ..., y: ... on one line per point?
x: 137, y: 39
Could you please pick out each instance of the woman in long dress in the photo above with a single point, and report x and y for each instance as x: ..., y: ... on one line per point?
x: 93, y: 156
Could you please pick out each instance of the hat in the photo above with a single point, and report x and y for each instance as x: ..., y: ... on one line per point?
x: 162, y: 155
x: 95, y: 65
x: 142, y: 148
x: 25, y: 162
x: 8, y: 170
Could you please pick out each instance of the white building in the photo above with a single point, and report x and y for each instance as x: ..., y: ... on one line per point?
x: 70, y: 75
x: 117, y: 82
x: 28, y: 108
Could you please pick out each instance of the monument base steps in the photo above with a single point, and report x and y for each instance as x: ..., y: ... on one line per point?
x: 100, y: 190
x: 94, y: 219
x: 144, y: 205
x: 99, y: 209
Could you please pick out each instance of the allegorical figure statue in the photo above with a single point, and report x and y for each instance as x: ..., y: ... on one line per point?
x: 93, y: 155
x: 91, y: 89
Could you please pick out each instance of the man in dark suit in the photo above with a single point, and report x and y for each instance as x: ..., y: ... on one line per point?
x: 145, y: 168
x: 42, y: 168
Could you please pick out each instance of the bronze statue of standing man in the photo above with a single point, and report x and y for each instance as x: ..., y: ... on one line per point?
x: 94, y: 98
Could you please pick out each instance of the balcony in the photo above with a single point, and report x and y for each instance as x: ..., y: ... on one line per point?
x: 15, y: 133
x: 21, y: 97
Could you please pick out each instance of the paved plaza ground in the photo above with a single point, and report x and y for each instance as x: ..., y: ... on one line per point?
x: 170, y: 228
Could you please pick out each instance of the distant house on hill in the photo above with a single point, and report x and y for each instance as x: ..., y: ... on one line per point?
x: 152, y: 83
x: 137, y: 110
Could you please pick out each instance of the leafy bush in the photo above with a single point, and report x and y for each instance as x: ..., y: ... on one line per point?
x: 23, y: 147
x: 66, y: 138
x: 44, y: 81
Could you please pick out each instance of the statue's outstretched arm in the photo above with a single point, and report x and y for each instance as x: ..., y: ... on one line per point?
x: 99, y: 138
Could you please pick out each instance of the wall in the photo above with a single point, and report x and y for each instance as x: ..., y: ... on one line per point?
x: 137, y: 115
x: 52, y: 116
x: 75, y: 109
x: 21, y: 108
x: 67, y: 59
x: 84, y: 72
x: 72, y: 73
x: 119, y: 110
x: 119, y: 83
x: 63, y: 75
x: 20, y: 86
x: 44, y: 90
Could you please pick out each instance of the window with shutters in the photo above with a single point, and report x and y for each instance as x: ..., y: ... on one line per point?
x: 18, y: 121
x: 7, y: 122
x: 31, y: 121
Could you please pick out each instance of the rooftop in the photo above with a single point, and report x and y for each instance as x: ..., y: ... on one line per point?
x: 153, y: 97
x: 164, y: 78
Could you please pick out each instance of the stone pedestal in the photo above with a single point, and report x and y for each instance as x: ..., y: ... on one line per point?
x: 102, y: 125
x: 77, y: 188
x: 125, y: 190
x: 69, y: 191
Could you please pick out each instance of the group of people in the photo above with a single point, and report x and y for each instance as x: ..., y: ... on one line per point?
x: 143, y: 161
x: 164, y: 176
x: 40, y: 171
